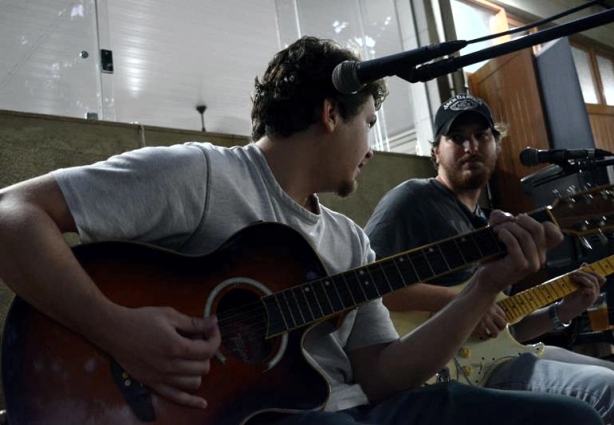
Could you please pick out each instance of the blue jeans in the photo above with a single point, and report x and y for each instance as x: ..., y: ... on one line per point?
x: 560, y: 371
x: 458, y: 404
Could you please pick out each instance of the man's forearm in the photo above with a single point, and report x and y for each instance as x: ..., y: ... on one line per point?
x: 423, y: 352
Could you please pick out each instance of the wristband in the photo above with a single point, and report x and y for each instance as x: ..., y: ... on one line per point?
x: 553, y: 313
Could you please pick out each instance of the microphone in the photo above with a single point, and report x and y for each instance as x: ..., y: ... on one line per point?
x: 351, y: 76
x: 530, y: 157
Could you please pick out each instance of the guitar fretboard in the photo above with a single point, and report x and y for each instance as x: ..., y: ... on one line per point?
x: 529, y: 300
x: 321, y: 298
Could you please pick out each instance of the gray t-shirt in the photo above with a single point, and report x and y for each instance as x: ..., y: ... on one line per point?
x: 192, y: 197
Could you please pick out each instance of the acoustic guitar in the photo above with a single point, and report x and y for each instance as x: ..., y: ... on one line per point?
x: 477, y: 358
x: 267, y: 287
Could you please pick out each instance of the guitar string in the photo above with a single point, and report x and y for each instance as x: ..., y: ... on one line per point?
x: 258, y: 306
x: 250, y: 309
x: 229, y: 318
x: 314, y: 306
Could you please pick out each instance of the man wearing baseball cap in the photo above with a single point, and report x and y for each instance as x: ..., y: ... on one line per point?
x: 419, y: 212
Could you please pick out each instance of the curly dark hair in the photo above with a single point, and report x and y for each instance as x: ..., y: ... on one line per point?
x: 296, y: 82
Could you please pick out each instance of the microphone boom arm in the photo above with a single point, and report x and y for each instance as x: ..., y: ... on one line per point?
x: 443, y: 67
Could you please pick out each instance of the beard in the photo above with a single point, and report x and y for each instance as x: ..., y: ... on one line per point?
x: 347, y: 188
x: 469, y: 179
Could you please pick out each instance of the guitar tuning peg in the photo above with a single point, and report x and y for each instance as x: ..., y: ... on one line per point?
x: 582, y: 226
x: 603, y: 239
x: 585, y: 243
x: 569, y: 202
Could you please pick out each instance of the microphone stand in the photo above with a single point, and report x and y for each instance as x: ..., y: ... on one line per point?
x: 588, y: 164
x: 559, y: 169
x: 443, y: 67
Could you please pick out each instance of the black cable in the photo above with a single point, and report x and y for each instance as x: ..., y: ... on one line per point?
x: 538, y: 23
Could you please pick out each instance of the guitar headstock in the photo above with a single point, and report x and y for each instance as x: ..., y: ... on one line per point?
x: 585, y: 213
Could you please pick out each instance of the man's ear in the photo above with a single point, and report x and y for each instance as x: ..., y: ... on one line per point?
x: 330, y: 114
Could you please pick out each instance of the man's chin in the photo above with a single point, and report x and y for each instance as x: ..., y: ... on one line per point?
x: 475, y: 180
x: 347, y: 189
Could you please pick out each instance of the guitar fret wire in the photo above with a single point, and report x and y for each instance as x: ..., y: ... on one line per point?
x: 338, y: 294
x: 405, y: 284
x: 362, y: 289
x: 349, y: 290
x: 545, y: 294
x: 443, y: 256
x: 330, y: 283
x: 558, y: 291
x: 307, y: 302
x: 379, y: 264
x: 537, y: 297
x: 525, y: 307
x: 323, y: 284
x: 298, y: 305
x: 411, y: 263
x: 460, y: 251
x: 314, y: 294
x: 283, y: 294
x: 374, y: 282
x: 423, y: 252
x: 281, y: 311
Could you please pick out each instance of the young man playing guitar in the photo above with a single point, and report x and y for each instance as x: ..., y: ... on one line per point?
x: 190, y: 198
x: 422, y: 211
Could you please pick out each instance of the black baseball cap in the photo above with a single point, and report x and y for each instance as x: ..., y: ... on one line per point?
x: 457, y: 105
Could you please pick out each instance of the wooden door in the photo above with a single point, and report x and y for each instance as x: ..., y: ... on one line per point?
x: 509, y: 85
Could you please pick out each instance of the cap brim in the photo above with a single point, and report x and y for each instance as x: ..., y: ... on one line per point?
x: 445, y: 128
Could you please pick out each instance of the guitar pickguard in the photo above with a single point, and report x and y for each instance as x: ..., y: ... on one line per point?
x: 476, y: 359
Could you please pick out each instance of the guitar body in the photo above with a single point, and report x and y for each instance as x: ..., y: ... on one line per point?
x: 52, y: 375
x: 477, y: 358
x: 267, y: 287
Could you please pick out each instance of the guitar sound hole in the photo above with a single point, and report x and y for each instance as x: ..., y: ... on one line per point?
x: 243, y: 325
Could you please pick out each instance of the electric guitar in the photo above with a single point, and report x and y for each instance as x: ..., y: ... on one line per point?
x: 267, y: 287
x: 477, y: 358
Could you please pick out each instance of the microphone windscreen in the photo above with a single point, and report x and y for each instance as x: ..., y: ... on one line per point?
x: 345, y: 78
x: 528, y: 157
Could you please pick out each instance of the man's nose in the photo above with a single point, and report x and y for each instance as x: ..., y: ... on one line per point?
x: 470, y: 144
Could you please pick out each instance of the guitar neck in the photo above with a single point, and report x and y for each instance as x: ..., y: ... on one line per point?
x: 318, y: 299
x: 529, y: 300
x: 310, y: 302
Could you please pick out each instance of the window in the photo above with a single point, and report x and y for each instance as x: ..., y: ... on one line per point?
x: 582, y: 61
x: 605, y: 65
x: 595, y: 69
